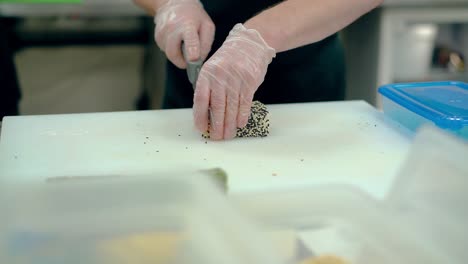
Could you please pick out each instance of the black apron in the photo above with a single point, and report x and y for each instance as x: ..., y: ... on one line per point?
x: 312, y: 73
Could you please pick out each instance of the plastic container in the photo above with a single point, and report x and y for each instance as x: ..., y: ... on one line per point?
x: 431, y: 191
x: 343, y: 223
x: 422, y: 220
x: 124, y: 220
x: 443, y: 104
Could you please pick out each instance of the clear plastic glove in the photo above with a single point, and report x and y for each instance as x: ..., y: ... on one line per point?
x: 228, y: 81
x: 185, y: 21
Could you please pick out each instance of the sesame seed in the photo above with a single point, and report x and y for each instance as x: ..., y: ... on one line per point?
x: 258, y: 123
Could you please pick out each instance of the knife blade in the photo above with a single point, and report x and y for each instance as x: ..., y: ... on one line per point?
x: 193, y: 68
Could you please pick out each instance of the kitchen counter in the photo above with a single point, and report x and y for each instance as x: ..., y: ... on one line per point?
x: 86, y: 8
x: 311, y: 143
x: 128, y: 8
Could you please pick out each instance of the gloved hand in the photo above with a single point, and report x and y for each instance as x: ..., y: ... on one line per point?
x: 187, y: 21
x: 228, y: 81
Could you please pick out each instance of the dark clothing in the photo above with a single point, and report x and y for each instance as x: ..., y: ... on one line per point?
x: 9, y: 89
x: 312, y: 73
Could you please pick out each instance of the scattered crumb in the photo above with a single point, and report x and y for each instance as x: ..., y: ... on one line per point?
x: 302, y: 159
x: 375, y: 125
x: 206, y: 142
x: 147, y: 137
x: 178, y: 135
x: 16, y: 157
x: 274, y: 174
x: 204, y: 159
x: 144, y: 142
x: 186, y: 147
x: 157, y: 150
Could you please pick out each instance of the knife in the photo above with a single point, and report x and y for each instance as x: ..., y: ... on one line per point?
x: 193, y: 68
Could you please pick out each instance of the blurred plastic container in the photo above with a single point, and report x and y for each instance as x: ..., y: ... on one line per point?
x: 124, y: 220
x: 423, y: 219
x: 443, y: 104
x: 431, y: 191
x: 344, y: 223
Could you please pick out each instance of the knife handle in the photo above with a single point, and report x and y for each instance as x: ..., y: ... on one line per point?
x: 184, y: 53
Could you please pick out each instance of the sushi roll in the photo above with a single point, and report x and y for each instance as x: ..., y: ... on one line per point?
x: 258, y: 124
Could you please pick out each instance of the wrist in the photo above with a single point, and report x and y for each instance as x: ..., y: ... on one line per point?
x: 255, y: 36
x: 270, y: 38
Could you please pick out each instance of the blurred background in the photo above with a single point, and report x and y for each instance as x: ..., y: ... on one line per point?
x: 99, y: 55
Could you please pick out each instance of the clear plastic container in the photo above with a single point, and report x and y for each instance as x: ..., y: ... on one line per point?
x: 431, y: 191
x: 344, y: 223
x: 442, y: 104
x: 125, y: 220
x: 421, y: 221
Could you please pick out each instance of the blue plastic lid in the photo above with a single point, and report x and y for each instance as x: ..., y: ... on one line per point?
x: 445, y: 103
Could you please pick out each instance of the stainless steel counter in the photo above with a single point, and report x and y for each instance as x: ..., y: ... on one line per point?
x: 86, y: 8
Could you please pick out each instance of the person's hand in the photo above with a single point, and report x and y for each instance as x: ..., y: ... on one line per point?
x: 228, y: 81
x: 185, y: 21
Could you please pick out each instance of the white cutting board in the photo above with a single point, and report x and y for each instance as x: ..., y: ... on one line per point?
x: 313, y: 143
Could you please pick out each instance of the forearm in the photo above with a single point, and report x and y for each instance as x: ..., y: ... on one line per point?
x: 150, y: 6
x: 294, y: 23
